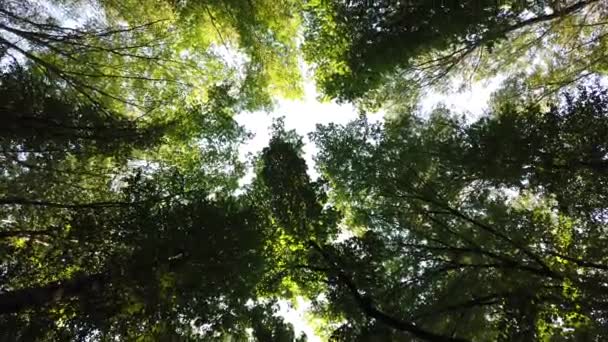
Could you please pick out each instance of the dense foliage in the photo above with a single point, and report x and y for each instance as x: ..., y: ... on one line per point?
x: 358, y: 46
x: 123, y: 214
x: 482, y: 231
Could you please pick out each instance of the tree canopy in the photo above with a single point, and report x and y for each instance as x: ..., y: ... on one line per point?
x: 124, y: 214
x: 461, y: 237
x: 358, y: 46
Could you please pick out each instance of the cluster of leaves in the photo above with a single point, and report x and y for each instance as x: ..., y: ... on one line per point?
x: 358, y: 47
x: 453, y: 231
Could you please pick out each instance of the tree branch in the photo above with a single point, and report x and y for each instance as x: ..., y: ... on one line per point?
x: 367, y: 306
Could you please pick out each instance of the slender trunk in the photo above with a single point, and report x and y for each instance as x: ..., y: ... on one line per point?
x: 87, y: 285
x: 92, y: 205
x: 24, y: 233
x: 35, y: 297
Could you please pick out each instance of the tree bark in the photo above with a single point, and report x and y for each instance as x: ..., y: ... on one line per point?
x: 35, y: 297
x: 93, y: 205
x: 24, y: 233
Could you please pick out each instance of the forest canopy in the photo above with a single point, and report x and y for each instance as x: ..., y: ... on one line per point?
x: 124, y: 214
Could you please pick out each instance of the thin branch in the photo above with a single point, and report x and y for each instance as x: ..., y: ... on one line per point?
x: 367, y: 306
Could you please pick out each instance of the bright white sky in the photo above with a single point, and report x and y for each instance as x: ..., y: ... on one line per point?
x: 303, y: 116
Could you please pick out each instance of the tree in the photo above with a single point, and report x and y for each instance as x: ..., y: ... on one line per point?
x: 93, y: 247
x: 117, y: 176
x: 559, y: 150
x: 159, y: 64
x: 138, y: 269
x: 307, y: 222
x: 440, y: 243
x: 359, y: 46
x: 264, y: 30
x: 147, y: 58
x: 122, y: 217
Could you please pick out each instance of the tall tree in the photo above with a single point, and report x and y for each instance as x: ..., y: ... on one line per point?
x: 144, y: 56
x: 156, y: 264
x: 442, y: 250
x: 359, y: 46
x: 119, y: 154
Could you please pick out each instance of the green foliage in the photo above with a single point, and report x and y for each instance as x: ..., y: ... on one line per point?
x: 448, y: 245
x: 264, y: 31
x: 147, y: 59
x: 560, y: 149
x: 119, y: 159
x: 121, y: 215
x: 358, y: 47
x: 361, y: 41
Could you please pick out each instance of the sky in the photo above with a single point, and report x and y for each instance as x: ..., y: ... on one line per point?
x: 303, y: 115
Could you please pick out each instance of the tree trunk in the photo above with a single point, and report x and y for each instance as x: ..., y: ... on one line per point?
x: 600, y: 166
x: 34, y: 297
x: 366, y: 305
x: 24, y: 233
